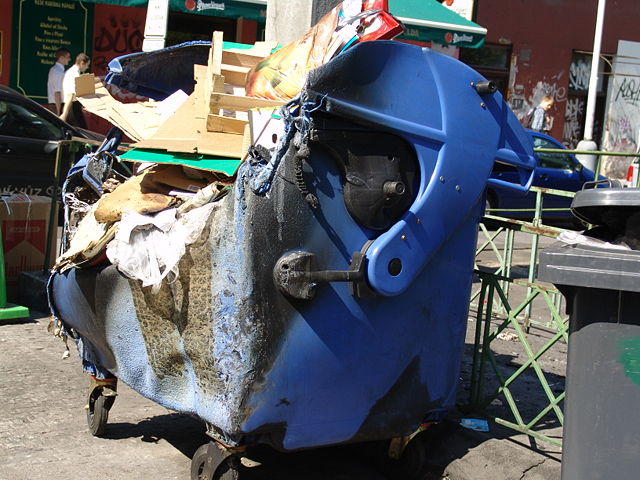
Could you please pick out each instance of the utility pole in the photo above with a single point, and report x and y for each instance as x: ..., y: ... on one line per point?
x: 288, y: 20
x: 590, y: 161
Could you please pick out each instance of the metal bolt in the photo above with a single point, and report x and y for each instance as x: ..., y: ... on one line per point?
x: 418, y: 221
x: 458, y: 188
x: 403, y: 237
x: 483, y: 105
x: 441, y: 179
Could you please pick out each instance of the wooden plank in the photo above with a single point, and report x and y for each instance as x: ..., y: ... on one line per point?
x: 241, y: 59
x: 218, y: 123
x: 234, y: 75
x: 246, y: 141
x: 217, y: 83
x: 214, y: 64
x: 215, y: 54
x: 237, y: 102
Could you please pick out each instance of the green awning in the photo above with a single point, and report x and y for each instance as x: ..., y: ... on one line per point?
x: 248, y: 9
x: 429, y: 21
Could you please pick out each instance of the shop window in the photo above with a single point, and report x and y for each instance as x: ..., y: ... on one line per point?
x: 492, y: 61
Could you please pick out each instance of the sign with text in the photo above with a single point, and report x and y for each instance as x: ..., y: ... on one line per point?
x: 40, y: 28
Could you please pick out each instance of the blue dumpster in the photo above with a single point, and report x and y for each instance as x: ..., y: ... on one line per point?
x: 326, y: 300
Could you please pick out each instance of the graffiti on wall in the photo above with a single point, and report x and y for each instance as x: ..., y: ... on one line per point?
x: 115, y: 35
x: 622, y: 129
x: 117, y: 31
x: 573, y: 117
x: 579, y: 73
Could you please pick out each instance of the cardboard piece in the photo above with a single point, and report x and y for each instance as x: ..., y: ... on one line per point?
x: 85, y: 84
x: 211, y: 121
x: 137, y: 120
x: 24, y: 221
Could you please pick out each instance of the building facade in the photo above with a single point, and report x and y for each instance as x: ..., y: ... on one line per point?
x: 532, y: 48
x: 32, y: 30
x: 543, y: 47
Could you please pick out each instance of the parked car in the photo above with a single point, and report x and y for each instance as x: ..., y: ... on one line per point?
x: 28, y: 142
x: 558, y: 171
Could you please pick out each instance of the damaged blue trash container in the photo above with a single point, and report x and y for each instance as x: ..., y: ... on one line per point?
x: 326, y: 300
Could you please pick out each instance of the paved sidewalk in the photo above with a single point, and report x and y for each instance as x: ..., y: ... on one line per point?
x: 44, y: 435
x: 43, y: 429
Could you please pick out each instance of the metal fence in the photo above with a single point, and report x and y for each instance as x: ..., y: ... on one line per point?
x: 507, y: 305
x: 511, y: 303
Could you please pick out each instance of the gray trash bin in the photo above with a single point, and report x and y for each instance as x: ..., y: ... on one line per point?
x: 601, y: 437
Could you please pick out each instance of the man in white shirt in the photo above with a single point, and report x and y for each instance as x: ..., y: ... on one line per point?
x: 54, y: 80
x: 72, y: 111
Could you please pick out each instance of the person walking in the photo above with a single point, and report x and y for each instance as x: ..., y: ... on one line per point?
x: 54, y: 80
x: 540, y: 120
x: 72, y: 111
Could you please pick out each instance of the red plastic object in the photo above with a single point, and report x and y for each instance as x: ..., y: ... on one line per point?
x: 389, y: 26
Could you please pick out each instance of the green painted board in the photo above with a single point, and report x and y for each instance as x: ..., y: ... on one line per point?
x: 40, y: 27
x: 228, y: 166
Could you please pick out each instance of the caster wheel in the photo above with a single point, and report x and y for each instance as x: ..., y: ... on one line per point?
x: 410, y: 466
x: 98, y: 412
x: 210, y: 463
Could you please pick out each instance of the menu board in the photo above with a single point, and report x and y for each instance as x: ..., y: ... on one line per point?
x: 40, y: 28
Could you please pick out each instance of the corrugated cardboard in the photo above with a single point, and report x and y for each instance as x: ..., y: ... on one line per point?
x: 85, y: 84
x: 24, y: 222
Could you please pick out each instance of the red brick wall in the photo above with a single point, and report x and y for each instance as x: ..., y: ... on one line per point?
x: 6, y: 7
x: 543, y: 35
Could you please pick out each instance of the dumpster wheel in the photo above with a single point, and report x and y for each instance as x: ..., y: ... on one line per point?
x: 98, y: 412
x: 102, y: 394
x: 210, y: 462
x: 411, y: 464
x: 402, y: 457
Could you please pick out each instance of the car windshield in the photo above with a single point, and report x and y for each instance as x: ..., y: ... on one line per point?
x: 552, y: 160
x: 18, y: 121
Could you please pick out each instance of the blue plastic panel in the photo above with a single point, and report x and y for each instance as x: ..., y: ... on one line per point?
x: 429, y: 99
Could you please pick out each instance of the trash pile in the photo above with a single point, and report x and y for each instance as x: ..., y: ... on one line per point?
x: 272, y: 226
x: 141, y: 208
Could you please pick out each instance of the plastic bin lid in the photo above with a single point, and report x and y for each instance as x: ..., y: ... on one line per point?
x: 591, y: 267
x: 606, y: 206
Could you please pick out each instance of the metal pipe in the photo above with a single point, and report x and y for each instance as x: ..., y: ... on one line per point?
x: 593, y: 80
x: 590, y: 152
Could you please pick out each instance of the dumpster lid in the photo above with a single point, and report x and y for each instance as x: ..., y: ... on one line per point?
x: 590, y: 266
x: 606, y: 206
